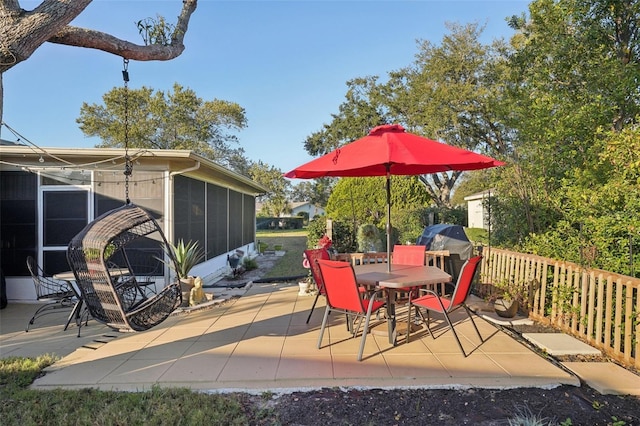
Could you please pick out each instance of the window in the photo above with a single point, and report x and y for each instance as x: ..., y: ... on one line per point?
x: 217, y: 220
x: 235, y: 219
x: 249, y: 220
x: 65, y: 214
x: 228, y: 216
x: 189, y: 210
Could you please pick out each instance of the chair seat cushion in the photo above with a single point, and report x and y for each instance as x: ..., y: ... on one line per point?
x: 431, y: 301
x: 377, y: 304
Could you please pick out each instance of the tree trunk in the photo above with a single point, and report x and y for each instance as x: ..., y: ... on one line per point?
x: 1, y: 104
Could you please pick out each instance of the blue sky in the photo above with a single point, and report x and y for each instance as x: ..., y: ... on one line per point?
x: 285, y: 62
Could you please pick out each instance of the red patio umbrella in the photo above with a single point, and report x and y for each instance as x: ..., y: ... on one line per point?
x: 389, y: 150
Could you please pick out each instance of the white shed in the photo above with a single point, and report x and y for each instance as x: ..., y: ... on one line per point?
x: 477, y: 216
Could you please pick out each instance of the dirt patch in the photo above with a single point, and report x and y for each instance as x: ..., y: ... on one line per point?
x: 566, y: 405
x: 265, y: 263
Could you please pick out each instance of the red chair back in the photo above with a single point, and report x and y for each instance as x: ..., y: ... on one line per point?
x: 408, y: 255
x: 313, y: 255
x: 465, y: 279
x: 341, y: 286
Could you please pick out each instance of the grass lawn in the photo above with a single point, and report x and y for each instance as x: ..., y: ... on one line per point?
x: 22, y: 406
x: 293, y: 243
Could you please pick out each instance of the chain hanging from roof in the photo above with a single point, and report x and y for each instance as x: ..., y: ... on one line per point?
x: 128, y: 164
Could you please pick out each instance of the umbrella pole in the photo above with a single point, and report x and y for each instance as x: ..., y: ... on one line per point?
x: 388, y: 218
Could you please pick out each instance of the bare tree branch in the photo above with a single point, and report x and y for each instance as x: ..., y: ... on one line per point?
x: 81, y: 37
x: 22, y: 32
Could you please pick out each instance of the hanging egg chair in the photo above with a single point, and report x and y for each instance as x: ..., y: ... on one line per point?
x: 112, y: 294
x: 98, y: 257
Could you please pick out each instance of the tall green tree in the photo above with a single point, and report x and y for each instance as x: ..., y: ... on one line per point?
x: 601, y: 224
x: 316, y: 191
x: 275, y: 202
x: 446, y: 94
x: 171, y: 120
x: 574, y: 105
x: 452, y: 93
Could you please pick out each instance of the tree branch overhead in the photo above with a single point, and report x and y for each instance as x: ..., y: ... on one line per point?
x: 22, y: 32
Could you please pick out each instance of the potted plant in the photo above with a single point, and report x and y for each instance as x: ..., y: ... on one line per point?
x: 186, y: 256
x: 510, y: 297
x: 305, y: 285
x: 506, y: 306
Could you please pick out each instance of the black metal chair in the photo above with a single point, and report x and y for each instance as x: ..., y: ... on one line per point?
x: 57, y: 294
x: 111, y: 297
x: 144, y: 264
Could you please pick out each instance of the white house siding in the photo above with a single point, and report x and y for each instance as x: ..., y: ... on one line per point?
x: 308, y: 208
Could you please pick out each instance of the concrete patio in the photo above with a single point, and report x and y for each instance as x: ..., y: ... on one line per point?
x: 260, y: 342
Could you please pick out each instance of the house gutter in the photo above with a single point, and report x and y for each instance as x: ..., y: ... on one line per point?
x: 188, y: 169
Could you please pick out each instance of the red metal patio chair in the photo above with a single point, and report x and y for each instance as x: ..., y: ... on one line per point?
x: 344, y: 295
x: 408, y: 255
x: 312, y: 257
x: 431, y: 301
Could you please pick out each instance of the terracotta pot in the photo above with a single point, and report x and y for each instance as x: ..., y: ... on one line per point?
x: 506, y: 308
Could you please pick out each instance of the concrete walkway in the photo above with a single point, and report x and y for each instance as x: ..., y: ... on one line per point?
x: 260, y: 342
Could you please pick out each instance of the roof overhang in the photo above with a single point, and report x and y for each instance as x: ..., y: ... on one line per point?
x: 176, y: 162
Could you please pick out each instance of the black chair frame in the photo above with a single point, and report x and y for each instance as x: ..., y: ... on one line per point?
x: 58, y: 294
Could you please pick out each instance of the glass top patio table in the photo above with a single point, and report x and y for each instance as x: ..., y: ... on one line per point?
x: 400, y: 276
x: 69, y: 277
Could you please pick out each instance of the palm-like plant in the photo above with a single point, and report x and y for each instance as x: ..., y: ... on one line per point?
x: 186, y: 256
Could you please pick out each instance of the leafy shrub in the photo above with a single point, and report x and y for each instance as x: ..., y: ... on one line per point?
x: 408, y: 225
x: 343, y: 236
x: 315, y: 230
x: 369, y: 238
x: 249, y: 264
